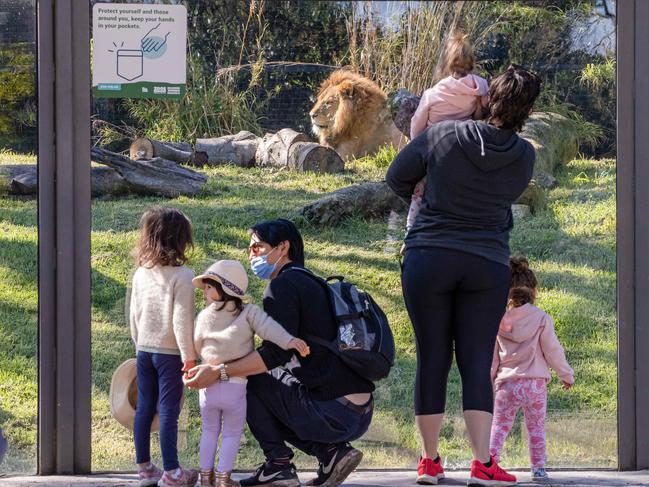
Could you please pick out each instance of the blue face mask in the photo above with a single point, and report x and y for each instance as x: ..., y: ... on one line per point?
x: 260, y: 266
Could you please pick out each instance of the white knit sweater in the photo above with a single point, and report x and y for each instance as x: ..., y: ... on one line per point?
x: 222, y: 336
x: 162, y: 311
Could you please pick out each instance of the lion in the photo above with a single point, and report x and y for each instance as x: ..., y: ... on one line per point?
x: 350, y: 116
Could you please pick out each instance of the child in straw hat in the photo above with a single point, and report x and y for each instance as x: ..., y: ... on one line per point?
x: 224, y: 332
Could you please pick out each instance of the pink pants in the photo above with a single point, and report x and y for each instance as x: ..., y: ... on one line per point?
x: 531, y: 395
x: 222, y: 402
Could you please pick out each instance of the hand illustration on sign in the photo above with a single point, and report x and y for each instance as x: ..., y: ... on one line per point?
x: 130, y: 62
x: 154, y: 46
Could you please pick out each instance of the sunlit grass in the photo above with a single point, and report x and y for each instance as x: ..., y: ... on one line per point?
x: 571, y: 245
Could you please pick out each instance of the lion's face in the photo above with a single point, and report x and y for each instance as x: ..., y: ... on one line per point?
x: 323, y: 114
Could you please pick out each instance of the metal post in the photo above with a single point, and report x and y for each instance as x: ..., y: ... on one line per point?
x: 626, y: 233
x: 633, y: 233
x: 64, y: 236
x: 641, y: 157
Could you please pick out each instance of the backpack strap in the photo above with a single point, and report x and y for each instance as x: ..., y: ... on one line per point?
x: 312, y: 338
x: 325, y: 284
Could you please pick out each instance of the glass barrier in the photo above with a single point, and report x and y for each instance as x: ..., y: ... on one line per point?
x: 255, y: 68
x: 19, y: 240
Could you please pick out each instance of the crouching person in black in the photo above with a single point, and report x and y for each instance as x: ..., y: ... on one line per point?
x: 315, y: 403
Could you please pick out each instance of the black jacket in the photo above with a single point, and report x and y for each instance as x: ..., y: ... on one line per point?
x: 474, y: 172
x: 300, y: 305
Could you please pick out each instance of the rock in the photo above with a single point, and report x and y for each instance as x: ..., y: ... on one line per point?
x: 521, y: 211
x: 533, y: 196
x: 546, y: 181
x: 402, y: 105
x: 554, y: 138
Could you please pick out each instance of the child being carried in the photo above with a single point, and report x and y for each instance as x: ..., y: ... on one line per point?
x: 461, y: 95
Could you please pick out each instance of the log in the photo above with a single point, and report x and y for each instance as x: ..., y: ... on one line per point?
x: 21, y: 179
x: 238, y: 149
x: 273, y: 149
x: 154, y: 176
x: 183, y: 146
x: 145, y: 148
x: 368, y: 200
x: 311, y: 156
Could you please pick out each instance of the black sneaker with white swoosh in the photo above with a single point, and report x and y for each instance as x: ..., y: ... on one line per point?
x: 334, y: 470
x: 271, y: 474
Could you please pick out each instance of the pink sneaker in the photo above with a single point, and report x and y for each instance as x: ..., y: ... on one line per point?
x: 149, y: 476
x: 180, y: 478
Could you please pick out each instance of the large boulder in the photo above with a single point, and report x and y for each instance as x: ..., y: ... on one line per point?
x: 554, y: 138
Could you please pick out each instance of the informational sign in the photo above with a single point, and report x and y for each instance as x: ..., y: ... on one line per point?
x: 139, y: 50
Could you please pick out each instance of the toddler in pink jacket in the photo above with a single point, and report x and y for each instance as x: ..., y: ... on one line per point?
x: 526, y: 347
x: 461, y: 95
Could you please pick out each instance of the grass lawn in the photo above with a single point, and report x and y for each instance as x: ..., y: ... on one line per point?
x: 571, y: 246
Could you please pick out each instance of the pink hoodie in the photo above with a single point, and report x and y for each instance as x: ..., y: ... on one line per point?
x: 526, y: 346
x: 450, y: 99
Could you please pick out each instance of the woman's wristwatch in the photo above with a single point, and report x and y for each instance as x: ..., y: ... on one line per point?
x: 224, y: 375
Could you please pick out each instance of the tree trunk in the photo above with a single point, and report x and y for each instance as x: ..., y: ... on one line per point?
x: 145, y: 148
x: 367, y: 200
x: 183, y: 146
x: 154, y: 176
x: 311, y: 156
x: 238, y: 149
x: 21, y: 179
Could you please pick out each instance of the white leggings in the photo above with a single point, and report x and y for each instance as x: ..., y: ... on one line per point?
x: 226, y: 402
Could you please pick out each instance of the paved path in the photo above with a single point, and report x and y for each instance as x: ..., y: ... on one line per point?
x: 366, y: 479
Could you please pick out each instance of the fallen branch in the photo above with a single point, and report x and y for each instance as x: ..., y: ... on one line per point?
x: 22, y: 180
x: 145, y: 148
x: 153, y: 176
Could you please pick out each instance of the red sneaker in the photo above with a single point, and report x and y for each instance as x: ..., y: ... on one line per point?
x: 493, y: 476
x: 430, y: 471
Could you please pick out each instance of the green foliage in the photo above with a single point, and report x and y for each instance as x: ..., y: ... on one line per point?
x: 210, y: 108
x: 589, y: 134
x: 17, y: 94
x: 598, y: 76
x: 538, y: 35
x: 232, y: 32
x: 382, y: 159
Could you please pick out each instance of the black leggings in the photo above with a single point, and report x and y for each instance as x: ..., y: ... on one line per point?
x: 454, y: 298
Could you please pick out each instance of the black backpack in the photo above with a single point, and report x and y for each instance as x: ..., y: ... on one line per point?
x: 364, y: 342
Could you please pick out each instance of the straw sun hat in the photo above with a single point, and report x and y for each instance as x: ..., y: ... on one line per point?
x: 123, y: 396
x: 230, y: 274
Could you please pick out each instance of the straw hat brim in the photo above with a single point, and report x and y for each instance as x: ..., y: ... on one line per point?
x: 123, y: 396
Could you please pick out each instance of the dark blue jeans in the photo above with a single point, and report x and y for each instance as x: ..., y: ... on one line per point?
x: 281, y: 410
x: 159, y: 379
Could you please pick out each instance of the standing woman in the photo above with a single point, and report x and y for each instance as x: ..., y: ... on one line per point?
x: 456, y: 269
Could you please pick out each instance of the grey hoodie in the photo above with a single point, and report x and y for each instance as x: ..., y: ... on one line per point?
x: 474, y: 173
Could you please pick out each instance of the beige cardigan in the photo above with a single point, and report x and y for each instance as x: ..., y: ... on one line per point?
x: 222, y: 336
x: 162, y: 311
